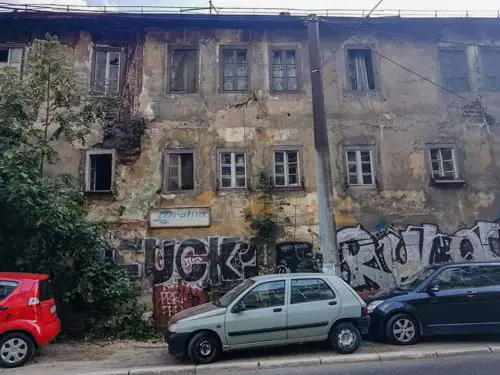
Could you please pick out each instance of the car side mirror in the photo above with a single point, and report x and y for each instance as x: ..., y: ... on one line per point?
x: 239, y: 307
x: 433, y: 288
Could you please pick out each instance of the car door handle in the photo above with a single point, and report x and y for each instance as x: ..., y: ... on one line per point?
x: 332, y: 303
x: 470, y: 294
x: 278, y: 309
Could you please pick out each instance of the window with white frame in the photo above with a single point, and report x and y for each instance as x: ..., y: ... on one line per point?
x: 11, y: 56
x: 106, y: 70
x: 286, y: 168
x: 443, y: 163
x: 359, y: 164
x: 179, y: 171
x: 100, y: 170
x: 233, y: 169
x: 360, y: 69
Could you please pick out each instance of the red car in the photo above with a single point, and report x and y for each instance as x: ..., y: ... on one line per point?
x: 28, y: 318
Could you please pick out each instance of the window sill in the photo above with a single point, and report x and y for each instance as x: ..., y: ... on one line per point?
x: 362, y: 93
x: 291, y: 92
x: 447, y: 183
x: 287, y: 188
x: 104, y: 194
x: 179, y: 192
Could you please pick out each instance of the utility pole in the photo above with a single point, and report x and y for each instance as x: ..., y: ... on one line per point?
x: 326, y: 203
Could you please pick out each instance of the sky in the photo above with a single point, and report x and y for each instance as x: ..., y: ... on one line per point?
x: 310, y: 4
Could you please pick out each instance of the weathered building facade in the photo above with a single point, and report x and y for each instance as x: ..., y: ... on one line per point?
x: 413, y: 109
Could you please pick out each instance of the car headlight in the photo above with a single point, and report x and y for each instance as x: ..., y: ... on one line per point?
x: 373, y: 305
x: 172, y: 327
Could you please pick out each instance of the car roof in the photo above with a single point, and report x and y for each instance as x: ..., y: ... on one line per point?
x: 288, y: 275
x: 473, y: 263
x: 22, y: 276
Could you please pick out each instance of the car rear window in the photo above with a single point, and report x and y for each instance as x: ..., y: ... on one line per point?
x: 6, y: 288
x: 45, y: 290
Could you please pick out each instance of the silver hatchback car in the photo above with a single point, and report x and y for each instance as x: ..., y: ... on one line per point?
x: 268, y: 311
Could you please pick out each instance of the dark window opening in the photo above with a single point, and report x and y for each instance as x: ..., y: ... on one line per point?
x: 284, y: 71
x: 180, y: 172
x: 45, y: 290
x: 101, y: 172
x: 360, y: 66
x: 234, y: 70
x: 4, y: 55
x: 6, y: 288
x: 454, y: 70
x: 183, y: 70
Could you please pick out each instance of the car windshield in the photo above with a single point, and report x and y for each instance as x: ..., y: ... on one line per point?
x: 229, y: 297
x: 415, y: 280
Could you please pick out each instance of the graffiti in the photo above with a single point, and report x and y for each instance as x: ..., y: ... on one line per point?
x: 289, y: 255
x: 181, y: 269
x: 373, y: 261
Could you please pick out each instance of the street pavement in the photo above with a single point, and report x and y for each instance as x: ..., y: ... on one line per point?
x: 464, y: 365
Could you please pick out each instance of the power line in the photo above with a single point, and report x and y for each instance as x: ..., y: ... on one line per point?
x: 352, y: 34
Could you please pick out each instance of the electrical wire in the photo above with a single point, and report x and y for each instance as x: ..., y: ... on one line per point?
x: 352, y: 34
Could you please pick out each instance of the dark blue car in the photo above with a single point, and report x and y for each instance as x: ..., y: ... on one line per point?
x: 444, y: 299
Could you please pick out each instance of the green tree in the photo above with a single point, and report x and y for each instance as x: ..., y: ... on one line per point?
x: 43, y: 225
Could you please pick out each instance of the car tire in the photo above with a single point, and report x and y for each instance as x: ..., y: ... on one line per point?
x: 15, y: 349
x: 345, y: 338
x: 204, y: 348
x: 402, y: 329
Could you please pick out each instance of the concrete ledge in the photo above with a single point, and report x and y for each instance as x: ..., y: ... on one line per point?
x: 350, y: 358
x: 164, y: 370
x: 290, y: 362
x: 217, y: 367
x: 407, y: 354
x: 462, y: 351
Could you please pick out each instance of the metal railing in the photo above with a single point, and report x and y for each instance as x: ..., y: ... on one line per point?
x: 147, y: 9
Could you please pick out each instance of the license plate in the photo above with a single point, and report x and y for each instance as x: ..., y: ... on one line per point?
x: 53, y: 309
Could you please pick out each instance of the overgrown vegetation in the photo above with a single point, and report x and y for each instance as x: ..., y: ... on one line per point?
x: 43, y: 225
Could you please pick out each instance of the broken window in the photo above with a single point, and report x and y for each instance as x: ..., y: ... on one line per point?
x: 100, y: 170
x: 234, y: 70
x: 180, y: 171
x: 491, y: 67
x: 233, y: 170
x: 454, y: 69
x: 286, y: 168
x: 443, y: 163
x: 183, y: 69
x: 107, y: 68
x: 360, y: 67
x: 359, y: 164
x: 284, y: 75
x: 10, y: 56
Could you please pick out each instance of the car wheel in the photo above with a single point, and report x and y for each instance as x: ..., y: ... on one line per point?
x: 15, y: 350
x: 204, y: 348
x: 402, y: 329
x: 345, y: 338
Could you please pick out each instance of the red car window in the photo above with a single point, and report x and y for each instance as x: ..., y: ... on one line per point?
x: 45, y: 290
x: 6, y: 288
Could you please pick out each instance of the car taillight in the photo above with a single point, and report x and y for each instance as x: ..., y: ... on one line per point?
x: 364, y: 311
x: 34, y: 300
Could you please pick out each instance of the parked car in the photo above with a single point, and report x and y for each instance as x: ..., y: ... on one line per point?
x: 28, y: 318
x: 271, y: 310
x: 443, y: 299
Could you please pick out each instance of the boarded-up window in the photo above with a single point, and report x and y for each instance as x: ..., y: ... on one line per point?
x: 234, y: 70
x: 12, y: 57
x: 454, y: 69
x: 107, y: 71
x: 180, y: 171
x: 284, y: 75
x: 361, y: 74
x: 491, y: 69
x: 183, y: 70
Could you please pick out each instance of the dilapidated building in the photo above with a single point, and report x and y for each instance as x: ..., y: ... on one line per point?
x: 413, y: 109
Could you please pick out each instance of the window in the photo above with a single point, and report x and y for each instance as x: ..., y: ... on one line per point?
x: 107, y: 70
x: 183, y: 69
x: 360, y: 167
x: 454, y: 278
x: 179, y: 171
x: 310, y: 290
x: 265, y: 295
x: 233, y: 170
x: 284, y: 75
x: 45, y: 290
x: 487, y: 275
x: 491, y: 69
x: 443, y: 163
x: 234, y: 69
x: 100, y: 170
x: 6, y: 288
x: 10, y: 56
x: 360, y: 69
x: 286, y: 168
x: 454, y: 69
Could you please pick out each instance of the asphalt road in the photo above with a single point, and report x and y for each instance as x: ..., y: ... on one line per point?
x: 488, y: 364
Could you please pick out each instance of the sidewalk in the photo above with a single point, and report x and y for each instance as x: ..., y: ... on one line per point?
x: 135, y: 358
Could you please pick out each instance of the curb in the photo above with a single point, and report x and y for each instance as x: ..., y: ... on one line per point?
x: 256, y: 365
